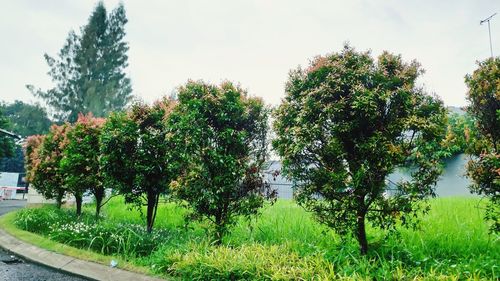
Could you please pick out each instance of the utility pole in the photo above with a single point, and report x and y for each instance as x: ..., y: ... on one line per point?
x: 489, y: 30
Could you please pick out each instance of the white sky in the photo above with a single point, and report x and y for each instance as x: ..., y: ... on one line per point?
x: 253, y: 42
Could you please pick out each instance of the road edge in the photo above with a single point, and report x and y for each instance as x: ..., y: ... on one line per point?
x: 71, y: 265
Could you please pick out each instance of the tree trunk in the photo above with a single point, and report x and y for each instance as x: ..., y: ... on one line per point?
x: 219, y: 233
x: 361, y: 232
x: 219, y: 229
x: 150, y: 211
x: 99, y: 197
x: 60, y: 195
x: 78, y: 199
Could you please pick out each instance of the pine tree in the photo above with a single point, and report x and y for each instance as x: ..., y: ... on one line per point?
x: 89, y: 71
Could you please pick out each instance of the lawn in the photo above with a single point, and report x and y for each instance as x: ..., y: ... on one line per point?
x: 285, y: 243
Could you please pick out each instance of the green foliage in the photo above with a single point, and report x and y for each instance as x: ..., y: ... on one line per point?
x: 345, y: 124
x: 460, y: 130
x: 286, y: 243
x: 222, y: 134
x: 484, y: 99
x: 40, y: 220
x: 126, y: 240
x: 6, y: 142
x: 90, y: 69
x: 43, y: 163
x: 80, y: 160
x: 485, y: 172
x: 248, y: 262
x: 484, y: 105
x: 27, y: 119
x: 137, y: 160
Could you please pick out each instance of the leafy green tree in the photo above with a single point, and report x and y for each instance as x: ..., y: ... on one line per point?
x: 484, y: 105
x: 222, y: 134
x: 6, y: 141
x: 90, y: 69
x: 27, y: 119
x: 137, y: 160
x: 346, y: 123
x: 43, y: 163
x: 458, y: 132
x: 80, y: 161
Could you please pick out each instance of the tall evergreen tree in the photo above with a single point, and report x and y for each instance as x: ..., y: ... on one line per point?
x: 89, y: 71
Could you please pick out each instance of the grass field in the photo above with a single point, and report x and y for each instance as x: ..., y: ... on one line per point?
x: 285, y: 243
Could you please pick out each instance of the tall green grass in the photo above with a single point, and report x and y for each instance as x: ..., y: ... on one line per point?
x: 286, y: 243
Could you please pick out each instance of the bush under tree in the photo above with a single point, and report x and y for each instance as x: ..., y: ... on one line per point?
x: 347, y: 122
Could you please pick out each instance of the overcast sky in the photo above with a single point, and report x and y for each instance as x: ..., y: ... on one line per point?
x: 255, y: 42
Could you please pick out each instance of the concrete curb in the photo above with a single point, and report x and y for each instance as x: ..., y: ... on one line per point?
x: 90, y: 270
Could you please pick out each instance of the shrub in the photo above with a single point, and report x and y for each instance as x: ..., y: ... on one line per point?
x: 39, y: 220
x: 108, y: 238
x: 248, y: 262
x: 128, y: 240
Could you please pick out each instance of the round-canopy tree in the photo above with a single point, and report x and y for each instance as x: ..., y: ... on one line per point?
x: 80, y: 162
x: 136, y: 158
x: 346, y: 123
x: 223, y: 134
x: 44, y: 162
x: 484, y: 168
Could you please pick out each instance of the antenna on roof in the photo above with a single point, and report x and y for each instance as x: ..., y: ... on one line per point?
x: 489, y: 30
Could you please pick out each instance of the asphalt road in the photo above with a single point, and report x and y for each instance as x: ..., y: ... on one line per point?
x: 13, y: 268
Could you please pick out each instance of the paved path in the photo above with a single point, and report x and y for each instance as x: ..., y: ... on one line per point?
x: 10, y: 205
x: 13, y: 268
